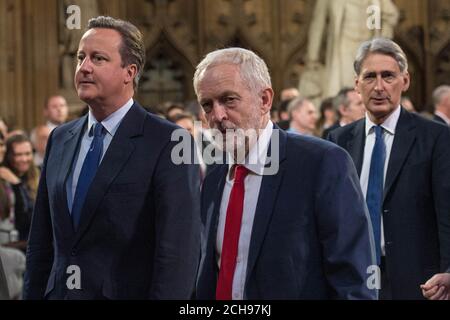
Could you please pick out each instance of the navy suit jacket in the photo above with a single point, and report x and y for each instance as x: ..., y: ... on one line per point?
x: 310, y: 237
x: 416, y: 204
x: 439, y: 119
x: 139, y: 234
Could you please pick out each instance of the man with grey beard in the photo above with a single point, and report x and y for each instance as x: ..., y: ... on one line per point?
x: 285, y: 217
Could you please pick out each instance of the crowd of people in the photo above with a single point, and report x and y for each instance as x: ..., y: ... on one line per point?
x: 363, y: 180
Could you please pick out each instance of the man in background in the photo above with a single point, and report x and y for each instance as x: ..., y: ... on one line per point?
x: 56, y: 111
x: 441, y: 100
x: 403, y: 161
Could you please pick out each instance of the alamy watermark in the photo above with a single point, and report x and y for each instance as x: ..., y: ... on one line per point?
x: 73, y: 20
x: 374, y: 19
x: 74, y: 279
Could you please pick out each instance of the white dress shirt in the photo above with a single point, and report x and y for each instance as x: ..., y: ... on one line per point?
x: 252, y: 187
x: 51, y: 125
x: 389, y: 126
x: 111, y: 124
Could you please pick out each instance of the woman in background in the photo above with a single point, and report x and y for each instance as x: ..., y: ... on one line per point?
x: 23, y: 176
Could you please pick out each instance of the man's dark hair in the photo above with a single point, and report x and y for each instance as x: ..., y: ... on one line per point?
x: 132, y: 50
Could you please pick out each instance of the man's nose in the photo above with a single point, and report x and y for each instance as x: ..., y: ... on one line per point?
x: 218, y: 112
x: 379, y: 83
x: 85, y: 66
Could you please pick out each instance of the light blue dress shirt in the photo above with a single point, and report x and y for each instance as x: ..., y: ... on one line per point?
x: 111, y: 124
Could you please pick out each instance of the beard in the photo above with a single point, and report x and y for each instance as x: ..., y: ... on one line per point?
x: 237, y: 139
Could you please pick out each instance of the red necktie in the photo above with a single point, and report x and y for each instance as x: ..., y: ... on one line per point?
x: 231, y: 235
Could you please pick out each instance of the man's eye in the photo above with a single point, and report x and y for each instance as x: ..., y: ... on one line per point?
x: 80, y: 57
x: 229, y: 100
x: 99, y: 58
x: 206, y: 107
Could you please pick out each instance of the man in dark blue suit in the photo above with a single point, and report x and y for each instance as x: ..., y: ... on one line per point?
x: 115, y: 218
x: 292, y: 227
x: 412, y: 213
x: 441, y: 100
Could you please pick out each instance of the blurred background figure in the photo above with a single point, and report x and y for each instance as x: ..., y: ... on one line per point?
x: 4, y: 294
x: 20, y: 173
x: 13, y: 264
x: 3, y: 128
x: 407, y: 104
x: 56, y: 111
x: 172, y: 109
x: 303, y: 116
x: 328, y: 115
x: 12, y: 260
x: 186, y: 121
x: 289, y: 94
x: 283, y: 114
x: 350, y: 108
x: 39, y: 138
x: 441, y: 100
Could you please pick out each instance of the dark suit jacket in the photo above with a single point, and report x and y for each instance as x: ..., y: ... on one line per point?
x: 139, y: 234
x: 327, y: 131
x: 439, y: 119
x: 310, y: 237
x: 416, y: 205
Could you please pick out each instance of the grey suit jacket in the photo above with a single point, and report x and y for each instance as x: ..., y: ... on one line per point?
x: 4, y: 293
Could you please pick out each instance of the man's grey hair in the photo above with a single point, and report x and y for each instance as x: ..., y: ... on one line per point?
x: 295, y: 104
x: 439, y: 93
x: 342, y: 98
x: 384, y: 46
x: 253, y: 69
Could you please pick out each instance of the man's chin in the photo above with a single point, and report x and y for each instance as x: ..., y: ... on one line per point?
x: 85, y: 96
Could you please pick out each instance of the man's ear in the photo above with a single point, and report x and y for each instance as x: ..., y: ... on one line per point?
x: 131, y: 73
x: 356, y: 84
x: 267, y: 99
x: 406, y: 81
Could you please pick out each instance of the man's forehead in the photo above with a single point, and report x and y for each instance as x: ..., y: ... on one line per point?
x: 378, y: 62
x: 102, y: 36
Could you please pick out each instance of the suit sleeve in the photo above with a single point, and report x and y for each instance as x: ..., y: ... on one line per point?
x: 441, y: 194
x: 39, y: 257
x: 344, y: 227
x: 177, y: 227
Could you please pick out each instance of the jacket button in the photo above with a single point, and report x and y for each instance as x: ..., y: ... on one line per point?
x: 73, y: 253
x: 385, y: 211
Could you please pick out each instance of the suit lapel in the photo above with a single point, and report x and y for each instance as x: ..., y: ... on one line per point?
x: 117, y: 155
x: 212, y: 212
x: 355, y: 145
x: 69, y: 153
x: 403, y: 140
x: 266, y: 202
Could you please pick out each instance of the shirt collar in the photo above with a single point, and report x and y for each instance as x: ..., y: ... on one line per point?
x: 256, y: 159
x: 51, y: 125
x: 111, y: 123
x: 388, y: 125
x: 443, y: 116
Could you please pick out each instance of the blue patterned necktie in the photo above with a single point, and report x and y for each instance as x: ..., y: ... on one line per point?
x: 87, y: 173
x: 374, y: 197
